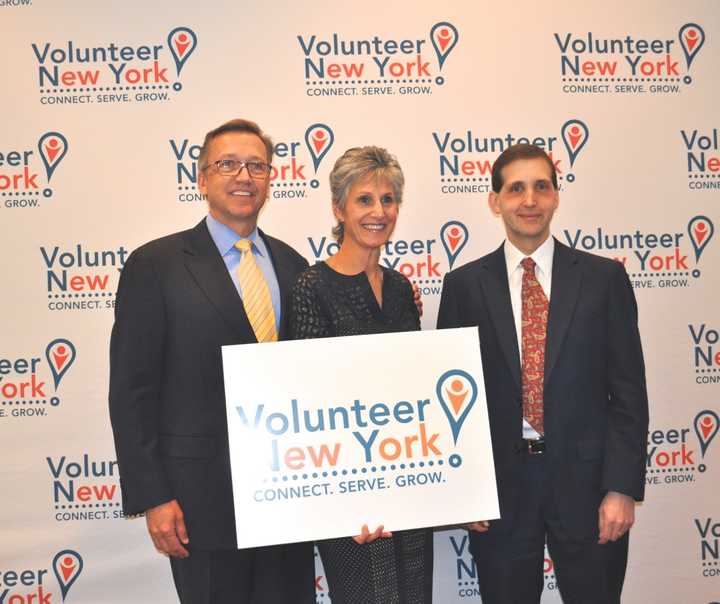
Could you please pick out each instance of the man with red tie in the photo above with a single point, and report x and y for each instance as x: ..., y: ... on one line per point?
x: 180, y: 299
x: 565, y: 384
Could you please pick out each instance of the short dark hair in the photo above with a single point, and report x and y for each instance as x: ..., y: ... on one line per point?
x: 237, y: 125
x: 520, y: 151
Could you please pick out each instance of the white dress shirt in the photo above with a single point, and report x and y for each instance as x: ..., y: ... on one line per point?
x: 543, y: 258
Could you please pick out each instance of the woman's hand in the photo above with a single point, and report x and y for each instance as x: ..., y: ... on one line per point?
x: 366, y: 536
x: 417, y: 298
x: 478, y: 527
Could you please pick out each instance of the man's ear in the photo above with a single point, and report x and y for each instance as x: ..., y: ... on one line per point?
x: 494, y: 203
x: 202, y: 182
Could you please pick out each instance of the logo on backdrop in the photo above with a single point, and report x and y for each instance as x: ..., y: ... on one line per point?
x: 84, y: 488
x: 37, y: 585
x: 454, y: 236
x: 67, y: 566
x: 322, y: 595
x: 679, y: 454
x: 703, y: 158
x: 79, y: 278
x: 708, y: 532
x: 25, y: 174
x: 74, y: 74
x: 705, y: 353
x: 14, y: 3
x: 422, y: 261
x: 464, y: 571
x: 549, y: 572
x: 465, y: 159
x: 340, y: 67
x: 296, y: 164
x: 185, y: 155
x: 30, y: 386
x: 653, y: 260
x: 591, y: 63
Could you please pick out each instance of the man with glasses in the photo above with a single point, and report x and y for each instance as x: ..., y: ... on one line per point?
x: 180, y: 299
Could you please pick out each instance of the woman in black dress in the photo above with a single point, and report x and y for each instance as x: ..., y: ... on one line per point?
x: 349, y: 294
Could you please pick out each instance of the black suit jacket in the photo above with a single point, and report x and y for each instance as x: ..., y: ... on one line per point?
x: 596, y: 411
x: 176, y: 306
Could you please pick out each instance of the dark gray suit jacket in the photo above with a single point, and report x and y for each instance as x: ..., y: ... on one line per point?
x: 176, y: 306
x: 596, y: 409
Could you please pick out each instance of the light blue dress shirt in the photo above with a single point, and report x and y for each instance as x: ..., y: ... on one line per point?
x: 225, y: 239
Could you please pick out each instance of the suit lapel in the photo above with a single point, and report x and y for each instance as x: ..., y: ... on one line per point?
x: 285, y: 274
x: 566, y: 277
x: 204, y: 263
x: 494, y: 281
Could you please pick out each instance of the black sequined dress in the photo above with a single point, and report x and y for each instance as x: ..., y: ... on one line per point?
x: 325, y: 303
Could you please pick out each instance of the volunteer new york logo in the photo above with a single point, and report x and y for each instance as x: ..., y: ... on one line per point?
x: 703, y: 158
x: 30, y: 385
x: 185, y: 154
x: 81, y: 278
x: 295, y: 166
x: 705, y: 353
x: 708, y: 533
x: 35, y: 585
x: 456, y: 391
x: 71, y: 73
x: 25, y: 174
x: 423, y: 452
x: 591, y: 63
x: 652, y: 259
x: 424, y: 261
x: 549, y: 579
x: 465, y: 159
x: 322, y: 595
x: 375, y: 66
x: 464, y: 571
x: 83, y: 488
x: 677, y: 454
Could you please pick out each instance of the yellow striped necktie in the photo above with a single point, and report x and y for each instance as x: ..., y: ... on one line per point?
x: 255, y: 294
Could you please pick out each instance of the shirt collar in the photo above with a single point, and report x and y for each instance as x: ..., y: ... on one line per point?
x: 543, y: 256
x: 225, y: 238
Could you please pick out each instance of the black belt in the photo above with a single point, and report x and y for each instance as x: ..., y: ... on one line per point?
x: 534, y: 446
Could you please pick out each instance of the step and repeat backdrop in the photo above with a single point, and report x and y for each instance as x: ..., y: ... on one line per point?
x: 104, y: 106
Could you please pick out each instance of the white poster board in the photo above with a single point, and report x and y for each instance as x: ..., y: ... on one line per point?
x: 329, y: 434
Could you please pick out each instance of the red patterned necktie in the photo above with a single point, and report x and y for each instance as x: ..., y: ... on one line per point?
x: 534, y: 330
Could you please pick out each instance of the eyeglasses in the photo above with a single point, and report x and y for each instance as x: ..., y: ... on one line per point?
x: 233, y: 167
